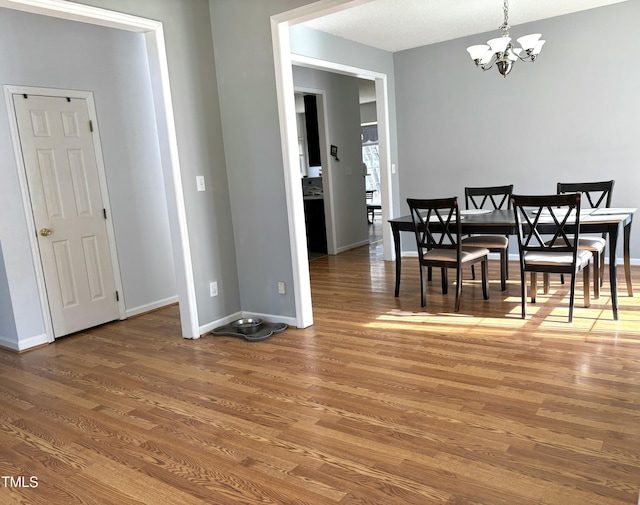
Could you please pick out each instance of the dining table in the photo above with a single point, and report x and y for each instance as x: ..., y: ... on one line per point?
x: 610, y: 220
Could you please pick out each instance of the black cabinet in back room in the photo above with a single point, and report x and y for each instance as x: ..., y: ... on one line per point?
x: 311, y: 122
x: 315, y: 224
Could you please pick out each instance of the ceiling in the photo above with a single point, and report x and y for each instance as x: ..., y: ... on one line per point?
x: 396, y: 25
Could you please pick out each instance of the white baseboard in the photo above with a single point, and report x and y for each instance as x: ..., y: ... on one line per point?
x: 25, y: 343
x: 270, y: 318
x: 351, y: 246
x: 151, y: 306
x: 207, y: 328
x: 8, y: 344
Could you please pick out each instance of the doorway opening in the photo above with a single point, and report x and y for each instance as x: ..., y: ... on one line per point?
x: 371, y: 159
x: 283, y: 60
x: 315, y: 172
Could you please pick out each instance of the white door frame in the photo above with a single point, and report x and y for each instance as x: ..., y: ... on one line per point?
x: 9, y: 91
x: 159, y: 74
x: 283, y: 60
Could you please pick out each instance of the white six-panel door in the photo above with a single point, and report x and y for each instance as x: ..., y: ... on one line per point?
x: 64, y: 188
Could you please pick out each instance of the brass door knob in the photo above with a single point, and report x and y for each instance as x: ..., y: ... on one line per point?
x: 45, y: 232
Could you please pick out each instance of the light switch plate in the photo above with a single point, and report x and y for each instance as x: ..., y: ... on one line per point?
x: 200, y: 182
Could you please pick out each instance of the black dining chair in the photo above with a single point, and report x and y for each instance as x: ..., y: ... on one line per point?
x: 538, y: 218
x: 595, y: 195
x: 372, y: 208
x: 437, y: 229
x: 490, y: 198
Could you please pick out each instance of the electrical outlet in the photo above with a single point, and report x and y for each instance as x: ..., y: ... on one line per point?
x: 213, y: 288
x: 282, y: 288
x: 200, y: 183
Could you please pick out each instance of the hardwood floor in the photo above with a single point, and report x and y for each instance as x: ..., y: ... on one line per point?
x: 379, y: 402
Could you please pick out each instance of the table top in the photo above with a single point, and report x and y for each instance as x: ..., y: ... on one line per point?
x: 505, y: 217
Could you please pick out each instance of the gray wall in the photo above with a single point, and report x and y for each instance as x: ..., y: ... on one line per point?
x: 247, y: 90
x: 113, y: 65
x: 8, y: 331
x: 194, y: 92
x: 368, y: 112
x: 573, y: 115
x: 343, y: 111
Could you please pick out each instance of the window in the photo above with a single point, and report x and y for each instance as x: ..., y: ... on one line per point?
x: 371, y: 157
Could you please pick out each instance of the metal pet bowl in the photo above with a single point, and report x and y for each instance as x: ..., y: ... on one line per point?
x: 247, y: 325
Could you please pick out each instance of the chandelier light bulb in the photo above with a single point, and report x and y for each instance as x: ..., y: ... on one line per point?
x: 500, y: 44
x: 477, y: 52
x: 538, y: 48
x: 529, y: 41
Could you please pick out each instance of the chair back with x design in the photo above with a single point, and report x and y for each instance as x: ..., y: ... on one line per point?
x: 537, y: 219
x: 436, y: 223
x: 490, y: 197
x: 596, y: 194
x: 541, y: 217
x: 437, y: 227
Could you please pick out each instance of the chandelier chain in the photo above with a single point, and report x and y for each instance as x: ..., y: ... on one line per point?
x: 505, y: 26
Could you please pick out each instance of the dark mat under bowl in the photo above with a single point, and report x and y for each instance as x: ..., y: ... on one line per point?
x: 263, y: 331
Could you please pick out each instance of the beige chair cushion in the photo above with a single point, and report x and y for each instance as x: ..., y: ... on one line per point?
x: 488, y: 241
x: 556, y: 258
x: 468, y: 254
x: 592, y: 243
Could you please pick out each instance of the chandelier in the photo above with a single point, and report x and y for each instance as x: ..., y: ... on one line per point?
x: 501, y: 51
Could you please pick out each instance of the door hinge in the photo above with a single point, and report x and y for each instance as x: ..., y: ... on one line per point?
x: 104, y: 212
x: 117, y: 296
x: 90, y: 125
